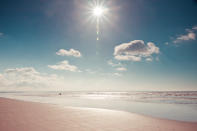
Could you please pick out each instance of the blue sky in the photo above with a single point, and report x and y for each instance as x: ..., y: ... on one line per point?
x: 143, y: 45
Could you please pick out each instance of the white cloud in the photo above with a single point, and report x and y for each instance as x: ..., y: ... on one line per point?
x: 117, y: 74
x: 118, y: 66
x: 64, y: 65
x: 149, y: 59
x: 111, y: 63
x: 121, y: 69
x: 28, y: 78
x: 70, y: 52
x: 24, y: 71
x: 127, y: 58
x: 189, y: 36
x: 135, y: 50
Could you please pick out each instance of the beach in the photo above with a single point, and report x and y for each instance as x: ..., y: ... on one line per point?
x: 18, y: 115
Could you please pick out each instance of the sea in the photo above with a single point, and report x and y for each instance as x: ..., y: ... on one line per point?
x: 173, y: 105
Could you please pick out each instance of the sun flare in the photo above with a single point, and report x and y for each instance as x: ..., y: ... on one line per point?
x: 98, y: 11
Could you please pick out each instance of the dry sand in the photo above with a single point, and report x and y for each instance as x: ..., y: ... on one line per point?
x: 29, y: 116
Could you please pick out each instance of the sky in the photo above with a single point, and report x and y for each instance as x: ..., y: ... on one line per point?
x: 144, y: 45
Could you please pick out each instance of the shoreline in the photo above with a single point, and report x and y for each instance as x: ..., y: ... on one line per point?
x: 32, y: 116
x: 170, y: 111
x: 94, y: 108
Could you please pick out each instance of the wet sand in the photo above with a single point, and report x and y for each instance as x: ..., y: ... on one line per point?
x: 30, y: 116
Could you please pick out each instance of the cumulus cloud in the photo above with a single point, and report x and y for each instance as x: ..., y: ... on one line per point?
x: 135, y: 50
x: 189, y: 36
x: 71, y: 52
x: 64, y: 65
x: 28, y: 77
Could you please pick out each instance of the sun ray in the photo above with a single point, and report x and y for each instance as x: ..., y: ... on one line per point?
x: 97, y: 28
x: 98, y: 11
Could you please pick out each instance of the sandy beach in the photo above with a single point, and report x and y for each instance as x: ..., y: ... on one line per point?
x: 29, y: 116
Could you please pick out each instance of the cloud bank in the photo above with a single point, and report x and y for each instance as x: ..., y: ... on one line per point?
x: 135, y: 50
x: 28, y: 78
x: 71, y: 52
x: 64, y: 65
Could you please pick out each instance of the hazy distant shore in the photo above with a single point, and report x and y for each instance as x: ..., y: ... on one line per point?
x: 22, y: 116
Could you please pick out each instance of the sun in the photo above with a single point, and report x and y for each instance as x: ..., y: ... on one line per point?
x: 98, y: 11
